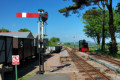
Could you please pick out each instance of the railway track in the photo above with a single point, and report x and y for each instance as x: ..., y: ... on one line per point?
x: 92, y: 73
x: 108, y: 59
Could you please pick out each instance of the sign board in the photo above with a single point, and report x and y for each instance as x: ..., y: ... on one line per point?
x: 15, y: 60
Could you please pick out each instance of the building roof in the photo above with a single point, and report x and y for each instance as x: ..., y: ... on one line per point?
x: 35, y: 35
x: 18, y: 34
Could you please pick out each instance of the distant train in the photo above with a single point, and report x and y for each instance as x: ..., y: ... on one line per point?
x: 55, y: 49
x: 83, y: 46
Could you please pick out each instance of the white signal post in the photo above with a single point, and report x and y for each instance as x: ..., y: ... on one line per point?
x: 42, y: 46
x: 42, y: 33
x: 39, y: 29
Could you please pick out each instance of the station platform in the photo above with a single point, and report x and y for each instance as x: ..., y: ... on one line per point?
x: 50, y: 77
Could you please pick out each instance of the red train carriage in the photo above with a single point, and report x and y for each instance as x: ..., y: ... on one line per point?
x: 83, y: 46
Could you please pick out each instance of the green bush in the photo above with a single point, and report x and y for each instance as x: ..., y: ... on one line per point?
x: 110, y: 47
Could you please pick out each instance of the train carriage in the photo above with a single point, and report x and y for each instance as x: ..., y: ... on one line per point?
x: 6, y: 49
x: 23, y: 44
x: 20, y: 43
x: 23, y: 47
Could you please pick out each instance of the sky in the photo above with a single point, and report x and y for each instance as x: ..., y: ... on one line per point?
x: 57, y: 24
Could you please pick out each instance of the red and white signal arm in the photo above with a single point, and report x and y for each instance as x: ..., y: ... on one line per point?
x: 27, y: 15
x: 15, y: 60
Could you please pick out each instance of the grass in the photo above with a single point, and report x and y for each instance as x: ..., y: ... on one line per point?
x: 26, y: 76
x: 93, y: 48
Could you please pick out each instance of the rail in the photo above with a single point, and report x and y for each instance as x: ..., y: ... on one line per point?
x: 88, y: 69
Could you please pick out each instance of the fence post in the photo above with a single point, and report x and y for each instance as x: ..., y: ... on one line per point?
x: 2, y: 72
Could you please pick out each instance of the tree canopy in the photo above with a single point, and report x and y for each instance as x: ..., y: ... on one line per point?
x: 53, y: 41
x: 79, y: 4
x: 4, y: 30
x: 24, y: 30
x: 93, y: 24
x: 117, y: 21
x: 67, y: 44
x: 118, y: 8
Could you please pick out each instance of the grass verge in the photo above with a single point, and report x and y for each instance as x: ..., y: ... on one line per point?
x: 26, y: 76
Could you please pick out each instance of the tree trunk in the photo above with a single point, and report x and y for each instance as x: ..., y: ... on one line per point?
x: 112, y: 31
x: 103, y: 29
x: 98, y: 40
x: 111, y: 27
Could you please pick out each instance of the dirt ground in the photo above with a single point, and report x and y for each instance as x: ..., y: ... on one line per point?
x: 53, y: 65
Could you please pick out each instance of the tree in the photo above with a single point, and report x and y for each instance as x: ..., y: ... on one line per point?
x: 4, y: 30
x: 103, y: 24
x: 112, y: 29
x: 92, y: 28
x: 53, y: 41
x: 118, y: 10
x: 117, y: 18
x: 80, y: 4
x: 24, y: 30
x: 117, y: 23
x: 67, y: 44
x: 93, y: 24
x: 101, y: 13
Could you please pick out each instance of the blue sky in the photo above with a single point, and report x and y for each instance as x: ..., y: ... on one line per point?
x: 58, y: 25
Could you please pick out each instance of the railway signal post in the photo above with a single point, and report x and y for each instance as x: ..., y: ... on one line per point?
x: 42, y: 17
x: 40, y: 40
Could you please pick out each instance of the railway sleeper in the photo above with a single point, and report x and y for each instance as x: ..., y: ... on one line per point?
x: 91, y: 70
x: 99, y: 78
x: 87, y: 79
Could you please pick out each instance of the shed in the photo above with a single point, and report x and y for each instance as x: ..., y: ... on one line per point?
x: 18, y: 34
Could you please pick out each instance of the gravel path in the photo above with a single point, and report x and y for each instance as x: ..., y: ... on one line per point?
x: 53, y: 64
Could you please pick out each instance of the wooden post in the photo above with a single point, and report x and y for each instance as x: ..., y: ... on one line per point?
x: 1, y: 72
